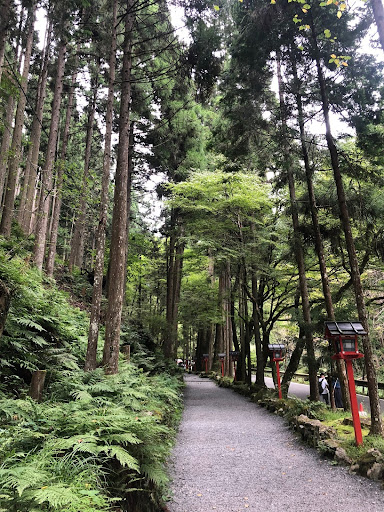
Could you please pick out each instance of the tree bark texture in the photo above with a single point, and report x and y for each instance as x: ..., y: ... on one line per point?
x: 47, y: 172
x: 376, y: 426
x: 6, y: 143
x: 129, y: 196
x: 5, y: 302
x: 5, y: 10
x: 30, y: 176
x: 50, y: 263
x: 319, y: 246
x: 76, y: 256
x: 174, y: 272
x: 16, y: 146
x: 94, y: 323
x: 37, y: 385
x: 299, y: 252
x: 227, y: 323
x: 260, y: 360
x: 119, y: 218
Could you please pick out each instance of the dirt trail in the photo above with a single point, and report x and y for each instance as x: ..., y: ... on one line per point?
x: 231, y: 455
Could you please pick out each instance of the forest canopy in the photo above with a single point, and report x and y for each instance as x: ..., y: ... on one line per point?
x: 193, y: 197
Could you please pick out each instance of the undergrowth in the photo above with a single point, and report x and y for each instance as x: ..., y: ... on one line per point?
x: 97, y: 442
x: 99, y: 438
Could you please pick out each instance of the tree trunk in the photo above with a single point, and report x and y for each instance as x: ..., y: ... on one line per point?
x: 16, y: 146
x: 299, y: 252
x: 293, y: 364
x: 378, y: 12
x: 5, y: 9
x: 129, y: 190
x: 47, y: 172
x: 94, y: 323
x: 316, y: 229
x: 376, y: 427
x: 227, y: 324
x: 5, y: 302
x: 29, y: 186
x: 77, y: 246
x: 56, y: 209
x: 37, y: 385
x: 5, y: 144
x: 260, y: 360
x: 175, y: 263
x: 119, y: 218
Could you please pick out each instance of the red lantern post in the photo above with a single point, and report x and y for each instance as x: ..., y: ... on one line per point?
x: 234, y: 357
x: 342, y: 337
x: 222, y: 360
x: 277, y: 355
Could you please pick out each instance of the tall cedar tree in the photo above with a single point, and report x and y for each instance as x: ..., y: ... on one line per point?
x: 90, y: 361
x: 16, y: 145
x: 119, y: 218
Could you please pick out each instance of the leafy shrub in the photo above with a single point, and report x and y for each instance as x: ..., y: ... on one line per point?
x: 100, y: 437
x: 97, y: 441
x: 42, y: 330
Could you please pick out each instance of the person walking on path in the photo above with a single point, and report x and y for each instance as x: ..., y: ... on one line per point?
x: 337, y: 393
x: 323, y: 389
x: 232, y: 455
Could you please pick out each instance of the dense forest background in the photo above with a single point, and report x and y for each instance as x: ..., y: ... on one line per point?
x: 166, y: 197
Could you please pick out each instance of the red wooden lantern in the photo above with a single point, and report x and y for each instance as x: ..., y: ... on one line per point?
x: 222, y: 360
x: 277, y: 354
x: 342, y: 337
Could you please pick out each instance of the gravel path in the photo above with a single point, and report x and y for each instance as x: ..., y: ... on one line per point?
x: 231, y: 455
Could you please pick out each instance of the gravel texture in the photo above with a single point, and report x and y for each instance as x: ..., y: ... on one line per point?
x: 231, y: 455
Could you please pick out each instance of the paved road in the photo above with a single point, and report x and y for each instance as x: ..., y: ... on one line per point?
x: 232, y: 455
x: 302, y: 392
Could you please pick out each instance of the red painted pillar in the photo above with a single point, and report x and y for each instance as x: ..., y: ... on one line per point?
x: 222, y: 368
x: 206, y: 366
x: 278, y: 379
x: 355, y: 411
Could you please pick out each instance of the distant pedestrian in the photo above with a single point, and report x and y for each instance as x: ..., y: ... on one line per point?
x: 323, y: 388
x: 337, y: 393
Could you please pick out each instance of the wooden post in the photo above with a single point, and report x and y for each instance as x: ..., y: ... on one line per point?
x: 354, y: 408
x: 126, y: 349
x: 37, y: 385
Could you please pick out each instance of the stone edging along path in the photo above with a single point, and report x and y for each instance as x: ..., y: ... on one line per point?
x: 319, y: 436
x: 232, y: 455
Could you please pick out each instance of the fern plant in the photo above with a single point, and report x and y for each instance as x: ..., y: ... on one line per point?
x: 100, y: 437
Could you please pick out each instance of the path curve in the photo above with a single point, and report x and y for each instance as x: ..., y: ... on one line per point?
x: 232, y: 455
x: 302, y: 391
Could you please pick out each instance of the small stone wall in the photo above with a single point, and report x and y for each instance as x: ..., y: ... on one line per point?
x: 323, y: 438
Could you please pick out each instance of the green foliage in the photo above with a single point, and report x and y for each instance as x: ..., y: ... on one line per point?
x: 96, y: 439
x: 42, y: 330
x: 96, y: 433
x: 220, y: 207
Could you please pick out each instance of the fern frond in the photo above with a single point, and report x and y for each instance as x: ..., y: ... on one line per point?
x: 155, y: 473
x: 124, y: 438
x: 55, y: 495
x: 123, y: 457
x: 82, y: 395
x: 27, y: 322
